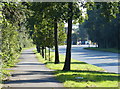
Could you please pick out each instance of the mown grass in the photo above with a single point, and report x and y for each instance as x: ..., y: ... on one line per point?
x: 93, y: 76
x: 103, y: 49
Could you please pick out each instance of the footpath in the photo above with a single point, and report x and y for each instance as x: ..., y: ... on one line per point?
x: 32, y: 74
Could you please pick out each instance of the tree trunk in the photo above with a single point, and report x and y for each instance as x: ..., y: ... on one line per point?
x: 38, y: 48
x: 43, y: 52
x: 49, y: 54
x: 69, y: 39
x: 56, y: 42
x: 40, y: 51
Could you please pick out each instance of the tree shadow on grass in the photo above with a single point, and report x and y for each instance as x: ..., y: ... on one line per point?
x: 93, y: 76
x: 71, y: 62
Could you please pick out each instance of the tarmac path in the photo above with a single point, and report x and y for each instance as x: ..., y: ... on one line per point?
x: 32, y: 74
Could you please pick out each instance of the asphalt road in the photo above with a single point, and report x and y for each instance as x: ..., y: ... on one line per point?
x: 106, y: 60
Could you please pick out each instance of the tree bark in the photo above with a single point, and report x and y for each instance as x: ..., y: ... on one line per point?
x: 69, y: 39
x: 38, y: 48
x: 43, y: 52
x: 56, y: 42
x: 40, y: 51
x: 49, y: 54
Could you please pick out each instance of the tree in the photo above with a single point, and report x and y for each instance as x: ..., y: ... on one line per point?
x: 74, y: 13
x: 52, y: 14
x: 56, y: 42
x: 68, y: 50
x: 55, y: 13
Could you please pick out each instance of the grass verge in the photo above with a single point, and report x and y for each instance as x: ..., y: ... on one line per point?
x: 103, y: 49
x: 93, y: 76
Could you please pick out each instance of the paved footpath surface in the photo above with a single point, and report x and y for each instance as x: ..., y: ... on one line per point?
x: 31, y: 73
x: 107, y: 60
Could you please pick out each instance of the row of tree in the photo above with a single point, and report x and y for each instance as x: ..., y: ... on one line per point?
x: 45, y: 24
x: 54, y: 13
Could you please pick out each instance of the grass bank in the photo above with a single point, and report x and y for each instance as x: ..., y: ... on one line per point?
x: 4, y: 66
x: 103, y: 49
x: 81, y: 74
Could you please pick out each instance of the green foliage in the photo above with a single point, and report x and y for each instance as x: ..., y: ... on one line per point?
x: 13, y: 12
x: 10, y: 44
x: 61, y: 34
x: 12, y: 16
x: 4, y: 74
x: 102, y: 31
x: 109, y: 9
x: 41, y: 23
x: 24, y: 39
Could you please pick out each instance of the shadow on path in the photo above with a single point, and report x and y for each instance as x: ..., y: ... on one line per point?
x: 30, y: 73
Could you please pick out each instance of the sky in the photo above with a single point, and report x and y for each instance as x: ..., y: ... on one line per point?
x: 74, y: 25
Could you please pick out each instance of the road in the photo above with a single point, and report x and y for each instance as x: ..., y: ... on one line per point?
x: 106, y: 60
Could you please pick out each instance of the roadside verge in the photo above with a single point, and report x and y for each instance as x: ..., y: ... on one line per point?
x: 103, y: 49
x: 81, y: 74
